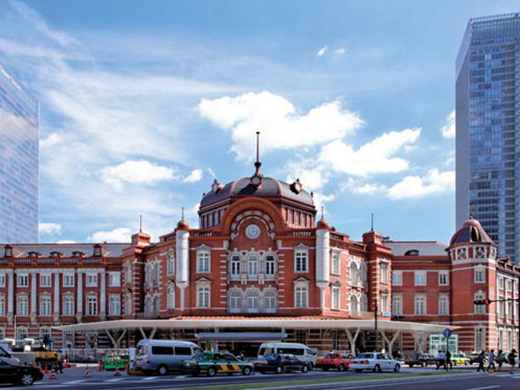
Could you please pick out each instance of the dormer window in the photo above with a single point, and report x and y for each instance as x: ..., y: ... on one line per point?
x: 8, y: 251
x: 412, y: 252
x: 97, y: 250
x: 33, y: 254
x: 77, y: 254
x: 55, y: 254
x: 296, y: 187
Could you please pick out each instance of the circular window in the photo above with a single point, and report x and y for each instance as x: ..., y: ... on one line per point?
x: 252, y: 231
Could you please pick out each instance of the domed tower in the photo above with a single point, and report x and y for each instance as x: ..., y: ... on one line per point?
x: 182, y: 237
x: 322, y: 258
x: 473, y: 276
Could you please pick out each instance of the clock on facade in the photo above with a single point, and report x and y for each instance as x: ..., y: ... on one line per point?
x: 252, y: 231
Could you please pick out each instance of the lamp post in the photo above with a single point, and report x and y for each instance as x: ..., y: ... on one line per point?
x: 375, y: 322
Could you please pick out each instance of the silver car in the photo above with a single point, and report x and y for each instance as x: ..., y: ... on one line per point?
x: 162, y: 356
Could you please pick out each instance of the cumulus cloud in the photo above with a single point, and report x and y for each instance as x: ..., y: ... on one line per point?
x: 136, y: 172
x: 375, y: 157
x: 66, y: 242
x: 52, y: 140
x: 434, y: 182
x: 116, y: 235
x: 357, y: 186
x: 340, y: 52
x: 282, y: 126
x: 49, y: 228
x: 448, y: 130
x: 322, y: 51
x: 194, y: 176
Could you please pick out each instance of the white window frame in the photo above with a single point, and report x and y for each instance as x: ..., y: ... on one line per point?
x: 480, y: 338
x: 2, y: 280
x: 335, y: 266
x: 46, y: 305
x: 397, y: 304
x: 203, y: 295
x: 444, y: 302
x: 2, y: 305
x: 235, y: 265
x: 22, y: 305
x: 420, y: 297
x: 114, y: 279
x: 397, y: 278
x: 170, y: 263
x: 252, y: 266
x: 301, y: 260
x: 480, y: 309
x: 22, y: 280
x: 270, y: 297
x: 444, y: 278
x: 335, y: 296
x: 418, y: 275
x: 114, y: 305
x: 270, y: 266
x: 91, y: 305
x: 69, y: 305
x: 45, y: 280
x: 203, y: 261
x: 479, y: 275
x: 170, y: 296
x: 385, y: 266
x: 69, y: 280
x: 92, y: 279
x: 301, y: 294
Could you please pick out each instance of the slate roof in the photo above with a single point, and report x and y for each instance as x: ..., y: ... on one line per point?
x: 109, y: 250
x: 425, y: 248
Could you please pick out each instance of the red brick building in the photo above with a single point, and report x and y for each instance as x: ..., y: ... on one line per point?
x: 260, y: 265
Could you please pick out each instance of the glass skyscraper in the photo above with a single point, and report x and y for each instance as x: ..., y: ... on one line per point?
x: 19, y: 135
x: 487, y: 128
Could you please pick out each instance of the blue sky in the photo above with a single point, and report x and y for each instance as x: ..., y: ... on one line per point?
x: 144, y: 103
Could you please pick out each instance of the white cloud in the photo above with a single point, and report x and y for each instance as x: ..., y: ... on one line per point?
x: 312, y: 176
x: 136, y: 172
x: 448, y: 130
x: 322, y: 51
x: 194, y: 176
x: 52, y: 140
x: 433, y: 183
x: 356, y: 186
x: 116, y: 235
x: 340, y: 52
x: 375, y: 157
x: 282, y: 127
x: 49, y: 228
x: 65, y: 242
x: 322, y: 199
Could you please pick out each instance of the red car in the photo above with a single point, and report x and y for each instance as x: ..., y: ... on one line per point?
x: 337, y: 361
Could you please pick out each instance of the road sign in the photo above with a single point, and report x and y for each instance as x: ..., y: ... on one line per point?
x: 446, y: 333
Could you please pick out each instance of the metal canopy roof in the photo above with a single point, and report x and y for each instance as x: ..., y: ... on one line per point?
x: 241, y: 336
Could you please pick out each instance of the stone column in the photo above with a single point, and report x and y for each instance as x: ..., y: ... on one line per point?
x: 34, y: 303
x: 57, y: 297
x: 103, y: 296
x: 79, y: 289
x: 10, y: 296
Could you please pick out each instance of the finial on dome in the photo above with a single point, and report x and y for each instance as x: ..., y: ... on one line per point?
x: 258, y: 164
x: 140, y: 223
x: 183, y: 224
x: 322, y: 223
x: 371, y: 222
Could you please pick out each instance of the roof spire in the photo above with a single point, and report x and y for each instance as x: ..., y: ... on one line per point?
x: 371, y: 222
x: 258, y: 164
x: 322, y: 212
x: 140, y: 223
x: 182, y: 213
x: 470, y: 210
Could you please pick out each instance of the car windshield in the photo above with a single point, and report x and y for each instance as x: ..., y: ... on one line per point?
x: 366, y: 356
x: 271, y: 356
x: 142, y: 350
x: 331, y: 356
x: 202, y: 356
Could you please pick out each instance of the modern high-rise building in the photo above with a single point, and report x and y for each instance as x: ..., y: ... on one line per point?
x: 19, y: 134
x: 488, y: 132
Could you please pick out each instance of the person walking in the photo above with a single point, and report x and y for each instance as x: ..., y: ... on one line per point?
x: 447, y: 364
x: 441, y: 357
x: 480, y: 360
x: 500, y: 359
x: 512, y: 360
x: 491, y: 360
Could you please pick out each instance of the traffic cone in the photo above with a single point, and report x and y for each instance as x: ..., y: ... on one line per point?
x: 87, y: 372
x: 100, y: 366
x: 53, y: 374
x: 46, y: 369
x: 117, y: 373
x: 40, y: 368
x: 66, y: 364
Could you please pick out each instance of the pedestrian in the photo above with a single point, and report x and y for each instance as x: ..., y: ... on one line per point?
x: 491, y: 360
x: 512, y: 359
x: 500, y: 359
x: 480, y: 361
x: 441, y: 357
x: 447, y: 364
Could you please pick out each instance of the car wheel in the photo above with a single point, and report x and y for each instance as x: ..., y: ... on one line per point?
x: 377, y: 368
x: 26, y: 379
x: 212, y: 371
x: 305, y: 368
x: 325, y: 369
x: 279, y: 369
x: 246, y: 371
x: 422, y: 364
x: 162, y: 370
x: 341, y: 368
x: 397, y: 367
x: 358, y: 370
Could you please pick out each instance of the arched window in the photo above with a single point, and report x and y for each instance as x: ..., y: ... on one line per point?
x: 235, y: 266
x: 148, y: 305
x: 354, y: 275
x: 354, y: 304
x: 253, y: 302
x: 252, y: 266
x: 235, y: 302
x: 364, y: 303
x: 156, y: 307
x: 270, y: 301
x: 170, y: 296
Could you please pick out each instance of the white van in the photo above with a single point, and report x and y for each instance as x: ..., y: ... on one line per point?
x: 161, y: 356
x: 301, y: 351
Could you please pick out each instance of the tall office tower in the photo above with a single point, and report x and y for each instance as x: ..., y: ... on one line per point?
x: 19, y: 134
x: 488, y: 125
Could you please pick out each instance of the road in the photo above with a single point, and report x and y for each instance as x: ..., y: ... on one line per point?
x: 469, y: 380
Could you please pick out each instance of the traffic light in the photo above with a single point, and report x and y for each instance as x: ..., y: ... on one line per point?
x: 482, y: 302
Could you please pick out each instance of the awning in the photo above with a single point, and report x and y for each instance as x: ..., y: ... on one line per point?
x: 241, y: 336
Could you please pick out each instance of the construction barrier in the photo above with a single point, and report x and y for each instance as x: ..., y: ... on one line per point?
x: 87, y: 372
x: 53, y: 374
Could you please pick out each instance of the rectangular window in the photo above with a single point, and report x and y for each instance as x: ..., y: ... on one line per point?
x: 336, y: 264
x: 45, y: 305
x: 2, y: 280
x: 203, y: 297
x: 92, y: 280
x: 235, y: 265
x: 384, y: 273
x: 397, y: 278
x: 397, y: 305
x: 22, y: 280
x: 183, y: 351
x: 301, y: 261
x: 335, y: 294
x: 92, y: 306
x: 420, y: 305
x: 2, y: 305
x: 68, y: 280
x: 162, y: 350
x: 384, y: 303
x: 420, y: 278
x: 500, y: 283
x: 203, y: 258
x: 300, y: 296
x: 114, y: 279
x: 444, y: 278
x: 68, y: 306
x: 479, y: 339
x: 23, y: 306
x: 170, y: 260
x: 45, y: 280
x: 480, y: 275
x: 480, y: 309
x: 114, y: 306
x: 270, y: 267
x: 252, y: 267
x: 444, y: 305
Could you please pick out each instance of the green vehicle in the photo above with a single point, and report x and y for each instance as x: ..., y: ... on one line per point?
x: 110, y: 363
x: 213, y: 363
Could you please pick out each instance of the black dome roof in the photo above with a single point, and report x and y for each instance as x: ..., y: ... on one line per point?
x: 471, y: 232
